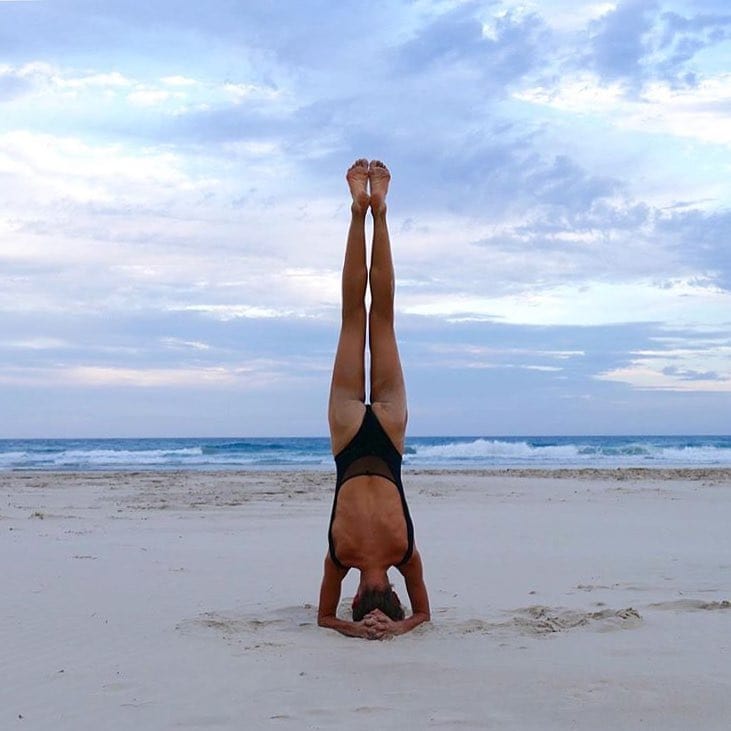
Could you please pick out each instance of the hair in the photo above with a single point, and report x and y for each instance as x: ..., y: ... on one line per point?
x: 384, y: 599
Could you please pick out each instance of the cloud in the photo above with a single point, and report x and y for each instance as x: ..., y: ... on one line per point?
x: 41, y: 77
x: 687, y: 374
x: 472, y: 355
x: 594, y: 303
x: 133, y: 106
x: 701, y: 239
x: 565, y: 183
x: 178, y: 80
x: 447, y: 39
x: 105, y: 376
x: 460, y: 43
x: 679, y: 360
x: 646, y: 375
x: 173, y: 196
x: 640, y: 42
x: 233, y: 312
x: 77, y: 170
x: 679, y: 39
x: 618, y: 41
x: 13, y: 85
x: 179, y: 344
x: 699, y: 113
x: 36, y: 343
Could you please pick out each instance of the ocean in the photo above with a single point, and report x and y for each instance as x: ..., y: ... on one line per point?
x: 298, y: 453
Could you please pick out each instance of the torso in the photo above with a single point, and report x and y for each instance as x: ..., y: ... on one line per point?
x: 370, y: 525
x: 369, y: 529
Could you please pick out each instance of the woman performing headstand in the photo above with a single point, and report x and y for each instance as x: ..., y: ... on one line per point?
x: 370, y: 525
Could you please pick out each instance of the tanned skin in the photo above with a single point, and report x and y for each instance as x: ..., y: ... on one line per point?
x: 369, y: 530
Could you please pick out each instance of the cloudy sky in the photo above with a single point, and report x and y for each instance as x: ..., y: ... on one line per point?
x: 173, y: 212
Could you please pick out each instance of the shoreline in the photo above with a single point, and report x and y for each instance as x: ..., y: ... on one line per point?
x: 580, y: 473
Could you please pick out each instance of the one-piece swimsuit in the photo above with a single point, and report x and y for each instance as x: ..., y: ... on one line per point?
x: 370, y: 452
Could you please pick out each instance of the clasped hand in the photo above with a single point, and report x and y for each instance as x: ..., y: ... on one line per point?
x: 378, y: 625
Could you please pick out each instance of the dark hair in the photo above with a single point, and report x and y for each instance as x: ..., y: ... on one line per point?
x: 384, y: 599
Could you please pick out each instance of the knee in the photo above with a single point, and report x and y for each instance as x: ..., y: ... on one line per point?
x: 382, y: 279
x: 354, y: 313
x: 381, y: 317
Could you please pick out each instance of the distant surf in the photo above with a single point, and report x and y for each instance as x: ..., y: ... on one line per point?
x: 297, y: 453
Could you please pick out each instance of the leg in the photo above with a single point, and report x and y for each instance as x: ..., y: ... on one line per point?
x: 388, y: 393
x: 347, y: 390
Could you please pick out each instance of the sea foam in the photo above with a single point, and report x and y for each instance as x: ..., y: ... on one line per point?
x: 294, y: 453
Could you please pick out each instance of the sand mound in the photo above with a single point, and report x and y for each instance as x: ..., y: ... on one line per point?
x: 692, y: 605
x: 541, y: 620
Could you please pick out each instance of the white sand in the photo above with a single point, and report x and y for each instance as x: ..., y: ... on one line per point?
x: 184, y: 600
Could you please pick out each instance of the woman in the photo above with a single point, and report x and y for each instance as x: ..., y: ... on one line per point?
x: 370, y: 525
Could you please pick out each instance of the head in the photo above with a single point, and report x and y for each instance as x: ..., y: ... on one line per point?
x: 385, y: 599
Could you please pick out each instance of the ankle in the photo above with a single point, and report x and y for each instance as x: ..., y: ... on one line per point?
x: 359, y: 209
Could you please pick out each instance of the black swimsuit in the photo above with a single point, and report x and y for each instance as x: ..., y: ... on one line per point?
x: 370, y: 452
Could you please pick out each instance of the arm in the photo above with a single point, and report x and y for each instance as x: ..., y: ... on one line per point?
x: 413, y: 573
x: 329, y: 597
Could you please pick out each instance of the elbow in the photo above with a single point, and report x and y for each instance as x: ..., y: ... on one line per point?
x: 424, y: 616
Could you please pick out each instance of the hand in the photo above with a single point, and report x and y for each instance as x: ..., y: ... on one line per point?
x: 379, y: 626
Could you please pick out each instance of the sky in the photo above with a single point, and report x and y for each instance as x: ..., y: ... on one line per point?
x: 173, y: 213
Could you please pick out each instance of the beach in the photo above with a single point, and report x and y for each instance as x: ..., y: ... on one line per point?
x: 561, y: 599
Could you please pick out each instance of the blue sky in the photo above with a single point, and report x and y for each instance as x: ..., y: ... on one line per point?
x: 173, y: 212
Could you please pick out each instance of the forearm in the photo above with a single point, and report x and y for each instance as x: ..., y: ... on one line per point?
x: 349, y: 629
x: 406, y: 625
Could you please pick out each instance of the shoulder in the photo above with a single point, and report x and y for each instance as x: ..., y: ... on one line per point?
x: 332, y: 571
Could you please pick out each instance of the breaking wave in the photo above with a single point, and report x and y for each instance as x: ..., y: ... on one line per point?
x: 294, y: 453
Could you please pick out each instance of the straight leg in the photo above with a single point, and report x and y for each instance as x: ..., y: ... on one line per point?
x: 347, y: 389
x: 388, y: 392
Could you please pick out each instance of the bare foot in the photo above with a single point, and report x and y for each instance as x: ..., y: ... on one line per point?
x: 379, y: 177
x: 357, y: 177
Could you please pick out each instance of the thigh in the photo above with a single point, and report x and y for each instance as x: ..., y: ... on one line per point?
x: 347, y: 389
x: 388, y: 390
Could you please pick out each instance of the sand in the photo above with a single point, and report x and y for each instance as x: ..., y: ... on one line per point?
x: 560, y: 600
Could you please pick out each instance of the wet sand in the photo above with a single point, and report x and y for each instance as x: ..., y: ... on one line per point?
x: 588, y: 599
